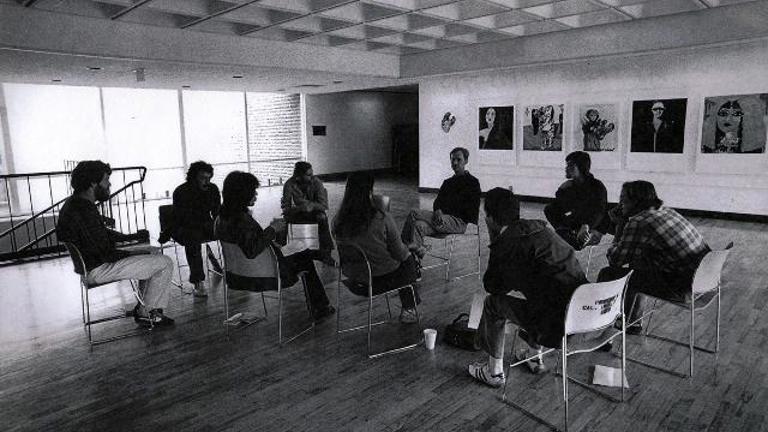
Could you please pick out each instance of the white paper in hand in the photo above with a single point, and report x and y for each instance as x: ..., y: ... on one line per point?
x: 476, y: 311
x: 293, y: 246
x: 608, y: 376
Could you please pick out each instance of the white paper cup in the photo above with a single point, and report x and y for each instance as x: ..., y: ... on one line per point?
x: 430, y: 335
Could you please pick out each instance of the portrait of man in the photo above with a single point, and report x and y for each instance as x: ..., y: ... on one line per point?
x: 658, y: 126
x: 597, y: 129
x: 543, y: 127
x: 735, y: 124
x: 497, y: 127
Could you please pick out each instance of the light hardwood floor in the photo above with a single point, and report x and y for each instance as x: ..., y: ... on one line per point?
x: 191, y: 377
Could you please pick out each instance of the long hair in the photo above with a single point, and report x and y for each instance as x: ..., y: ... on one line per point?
x: 643, y: 194
x: 357, y: 208
x: 196, y: 167
x: 719, y: 134
x: 237, y: 192
x: 87, y: 173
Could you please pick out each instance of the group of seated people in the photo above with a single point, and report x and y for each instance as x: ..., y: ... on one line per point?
x: 657, y: 243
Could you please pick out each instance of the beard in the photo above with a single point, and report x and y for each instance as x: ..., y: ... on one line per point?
x: 101, y: 194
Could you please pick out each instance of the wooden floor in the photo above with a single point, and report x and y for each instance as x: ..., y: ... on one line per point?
x: 193, y: 378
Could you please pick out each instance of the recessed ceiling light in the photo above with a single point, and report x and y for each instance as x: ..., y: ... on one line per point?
x: 186, y: 86
x: 56, y: 80
x: 281, y: 90
x: 237, y: 76
x: 337, y: 81
x: 94, y: 68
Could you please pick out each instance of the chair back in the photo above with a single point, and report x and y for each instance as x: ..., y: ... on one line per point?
x: 264, y: 264
x: 595, y: 306
x: 353, y: 263
x: 167, y: 218
x: 383, y: 202
x: 707, y: 277
x: 77, y: 258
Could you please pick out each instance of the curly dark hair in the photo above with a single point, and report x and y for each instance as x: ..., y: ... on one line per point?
x: 86, y: 173
x: 237, y: 192
x: 196, y: 167
x: 502, y: 205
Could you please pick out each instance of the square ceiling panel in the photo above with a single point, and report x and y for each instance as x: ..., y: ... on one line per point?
x: 466, y: 9
x: 563, y: 8
x: 533, y: 28
x: 606, y: 16
x: 520, y: 4
x: 661, y: 7
x: 504, y: 19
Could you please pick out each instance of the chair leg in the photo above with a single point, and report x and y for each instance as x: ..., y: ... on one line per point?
x: 448, y: 244
x: 82, y: 298
x: 717, y: 325
x: 564, y: 353
x: 691, y: 338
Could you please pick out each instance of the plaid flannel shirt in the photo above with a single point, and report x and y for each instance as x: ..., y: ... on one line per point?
x: 662, y: 239
x: 81, y: 223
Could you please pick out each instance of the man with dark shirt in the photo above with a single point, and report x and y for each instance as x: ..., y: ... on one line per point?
x: 456, y: 205
x: 527, y: 257
x: 196, y: 204
x: 305, y: 200
x: 578, y: 213
x: 81, y: 224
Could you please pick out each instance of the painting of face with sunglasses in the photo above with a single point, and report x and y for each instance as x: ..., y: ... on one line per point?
x: 735, y: 124
x: 658, y: 126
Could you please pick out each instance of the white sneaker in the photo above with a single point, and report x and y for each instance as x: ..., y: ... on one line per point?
x: 482, y: 373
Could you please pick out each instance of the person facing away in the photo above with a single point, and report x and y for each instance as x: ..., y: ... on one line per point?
x: 236, y: 225
x: 81, y: 224
x: 196, y: 204
x: 456, y: 205
x: 660, y: 245
x: 305, y: 200
x: 528, y: 257
x: 361, y: 220
x: 579, y: 211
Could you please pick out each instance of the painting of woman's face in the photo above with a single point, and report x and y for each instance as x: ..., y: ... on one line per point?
x: 729, y: 117
x: 490, y: 117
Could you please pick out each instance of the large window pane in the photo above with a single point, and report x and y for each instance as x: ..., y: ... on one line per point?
x: 214, y: 126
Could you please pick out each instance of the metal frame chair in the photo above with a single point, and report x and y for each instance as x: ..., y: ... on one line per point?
x: 85, y: 287
x: 165, y: 220
x: 448, y: 243
x: 347, y: 252
x: 705, y: 289
x: 265, y: 264
x: 593, y: 307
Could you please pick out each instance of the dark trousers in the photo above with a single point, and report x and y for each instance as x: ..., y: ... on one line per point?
x: 406, y: 274
x: 294, y: 216
x: 292, y: 265
x: 497, y: 310
x: 192, y: 240
x: 648, y: 280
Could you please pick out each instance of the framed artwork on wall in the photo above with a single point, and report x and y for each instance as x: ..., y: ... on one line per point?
x: 658, y: 126
x: 735, y: 124
x: 597, y: 129
x: 543, y: 127
x: 496, y: 128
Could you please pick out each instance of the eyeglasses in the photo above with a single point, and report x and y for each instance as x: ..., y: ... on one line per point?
x: 732, y: 113
x: 657, y: 109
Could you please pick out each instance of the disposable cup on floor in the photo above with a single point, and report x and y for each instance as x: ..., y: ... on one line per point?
x: 430, y: 335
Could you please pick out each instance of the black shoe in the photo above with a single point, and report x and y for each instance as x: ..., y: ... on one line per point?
x: 164, y: 238
x: 607, y: 347
x: 156, y: 318
x: 323, y: 313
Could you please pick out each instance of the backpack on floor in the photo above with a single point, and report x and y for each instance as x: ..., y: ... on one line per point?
x: 459, y: 335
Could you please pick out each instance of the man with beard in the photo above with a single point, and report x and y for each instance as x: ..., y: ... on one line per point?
x: 305, y: 200
x: 81, y: 223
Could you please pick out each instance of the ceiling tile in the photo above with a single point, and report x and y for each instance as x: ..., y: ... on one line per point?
x: 617, y: 3
x: 298, y: 6
x: 257, y: 15
x: 593, y: 18
x: 417, y: 21
x: 520, y: 4
x: 467, y: 9
x: 352, y: 12
x: 491, y: 36
x: 661, y: 7
x: 436, y: 31
x: 505, y: 19
x: 563, y: 8
x: 372, y: 11
x: 399, y: 22
x: 534, y: 28
x: 459, y: 29
x: 464, y: 38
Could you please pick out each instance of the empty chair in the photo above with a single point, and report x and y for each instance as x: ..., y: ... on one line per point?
x: 593, y: 307
x: 705, y: 290
x: 449, y: 242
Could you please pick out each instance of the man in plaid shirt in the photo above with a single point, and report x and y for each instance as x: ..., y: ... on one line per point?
x: 662, y: 248
x: 81, y: 223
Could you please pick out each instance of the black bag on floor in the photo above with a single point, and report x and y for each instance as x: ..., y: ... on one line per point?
x: 459, y: 335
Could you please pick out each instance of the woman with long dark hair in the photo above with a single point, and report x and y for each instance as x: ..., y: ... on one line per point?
x: 362, y: 220
x: 236, y: 225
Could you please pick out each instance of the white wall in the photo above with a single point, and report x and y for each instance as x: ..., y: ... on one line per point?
x: 734, y: 183
x: 358, y: 127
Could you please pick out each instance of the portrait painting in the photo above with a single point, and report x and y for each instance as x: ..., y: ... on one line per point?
x: 496, y: 128
x: 597, y: 129
x: 543, y: 127
x: 735, y: 124
x: 658, y: 126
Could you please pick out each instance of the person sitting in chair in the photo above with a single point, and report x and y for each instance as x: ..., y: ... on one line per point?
x: 362, y: 220
x: 660, y: 245
x: 456, y: 205
x: 305, y: 200
x: 578, y: 213
x: 196, y: 204
x: 527, y: 257
x: 81, y: 223
x: 236, y: 225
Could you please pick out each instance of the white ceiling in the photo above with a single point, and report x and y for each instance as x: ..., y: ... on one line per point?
x: 399, y: 27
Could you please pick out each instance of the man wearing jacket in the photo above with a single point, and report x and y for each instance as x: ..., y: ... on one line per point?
x: 527, y: 257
